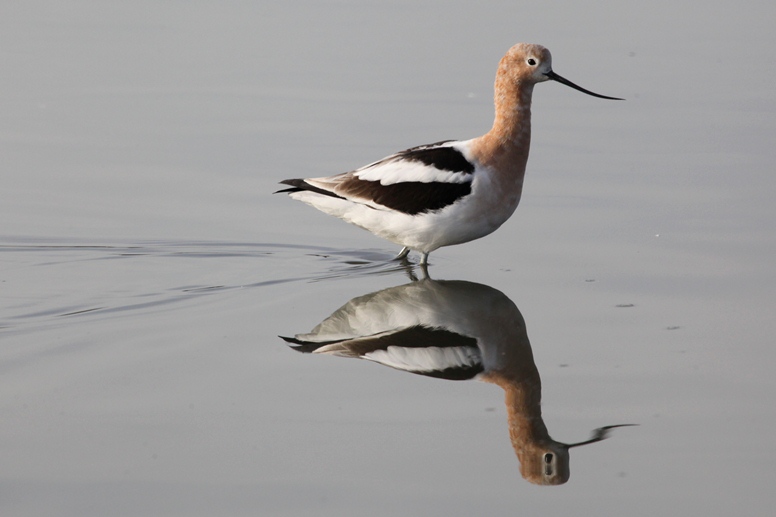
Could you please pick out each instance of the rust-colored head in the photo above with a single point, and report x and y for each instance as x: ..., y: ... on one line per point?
x: 527, y: 63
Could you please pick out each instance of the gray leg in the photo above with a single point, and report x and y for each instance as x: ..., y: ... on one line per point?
x: 424, y: 259
x: 403, y: 253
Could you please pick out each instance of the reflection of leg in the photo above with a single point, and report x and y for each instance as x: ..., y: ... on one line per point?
x: 403, y: 253
x: 410, y: 269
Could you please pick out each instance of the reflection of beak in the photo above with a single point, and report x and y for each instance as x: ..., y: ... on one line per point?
x: 555, y: 77
x: 602, y: 433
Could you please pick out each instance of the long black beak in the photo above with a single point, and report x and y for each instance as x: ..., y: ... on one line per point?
x: 555, y: 77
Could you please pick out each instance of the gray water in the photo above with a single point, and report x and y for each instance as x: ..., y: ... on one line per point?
x: 146, y: 270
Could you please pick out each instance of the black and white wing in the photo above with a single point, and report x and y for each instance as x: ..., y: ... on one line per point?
x: 420, y: 179
x: 420, y: 349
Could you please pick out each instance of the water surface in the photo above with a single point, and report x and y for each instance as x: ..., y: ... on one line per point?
x: 146, y: 271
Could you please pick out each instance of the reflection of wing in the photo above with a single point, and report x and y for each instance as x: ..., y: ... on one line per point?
x: 420, y: 349
x: 421, y: 179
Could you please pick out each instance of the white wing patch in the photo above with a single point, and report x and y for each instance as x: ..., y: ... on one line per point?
x: 426, y: 359
x: 399, y: 170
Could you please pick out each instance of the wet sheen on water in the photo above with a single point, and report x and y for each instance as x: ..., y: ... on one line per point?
x: 147, y: 271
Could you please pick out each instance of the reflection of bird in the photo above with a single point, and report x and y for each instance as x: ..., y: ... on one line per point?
x: 450, y: 192
x: 453, y: 330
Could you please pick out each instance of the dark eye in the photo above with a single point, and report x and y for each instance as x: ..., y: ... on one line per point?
x: 548, y: 464
x: 532, y: 61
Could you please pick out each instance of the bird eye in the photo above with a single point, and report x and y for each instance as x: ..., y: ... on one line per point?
x: 532, y: 61
x: 548, y: 470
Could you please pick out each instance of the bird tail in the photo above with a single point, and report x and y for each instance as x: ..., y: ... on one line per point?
x: 296, y: 186
x: 299, y: 185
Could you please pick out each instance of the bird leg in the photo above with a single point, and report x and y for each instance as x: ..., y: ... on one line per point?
x: 402, y: 254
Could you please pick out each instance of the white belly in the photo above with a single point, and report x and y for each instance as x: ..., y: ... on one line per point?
x: 474, y: 216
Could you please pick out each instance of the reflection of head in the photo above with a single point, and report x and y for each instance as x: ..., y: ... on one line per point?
x: 544, y: 464
x: 543, y: 461
x: 454, y: 330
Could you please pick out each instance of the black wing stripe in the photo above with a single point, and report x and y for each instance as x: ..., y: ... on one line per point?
x: 442, y: 158
x: 410, y: 197
x: 463, y: 373
x: 416, y: 336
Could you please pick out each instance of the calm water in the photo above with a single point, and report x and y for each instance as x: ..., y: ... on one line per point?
x: 146, y: 271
